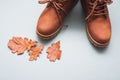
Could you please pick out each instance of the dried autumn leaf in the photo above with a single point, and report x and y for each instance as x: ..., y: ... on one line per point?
x: 35, y: 52
x: 12, y: 46
x: 29, y: 43
x: 54, y: 52
x: 19, y: 45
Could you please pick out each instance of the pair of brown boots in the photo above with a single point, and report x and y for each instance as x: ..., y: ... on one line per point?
x: 98, y: 26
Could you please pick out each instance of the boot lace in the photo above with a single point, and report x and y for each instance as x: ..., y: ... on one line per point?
x: 98, y: 7
x: 57, y: 4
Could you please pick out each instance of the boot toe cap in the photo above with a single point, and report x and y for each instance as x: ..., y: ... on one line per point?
x: 45, y: 31
x: 100, y: 32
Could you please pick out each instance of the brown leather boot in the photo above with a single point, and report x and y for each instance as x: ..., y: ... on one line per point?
x: 51, y: 20
x: 98, y: 22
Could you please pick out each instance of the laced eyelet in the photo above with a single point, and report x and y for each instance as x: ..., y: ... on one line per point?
x: 57, y: 4
x: 98, y: 7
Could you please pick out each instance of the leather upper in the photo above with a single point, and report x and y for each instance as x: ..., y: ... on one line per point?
x: 52, y: 20
x: 99, y: 26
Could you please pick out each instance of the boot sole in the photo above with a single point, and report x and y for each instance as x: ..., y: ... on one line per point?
x: 93, y: 41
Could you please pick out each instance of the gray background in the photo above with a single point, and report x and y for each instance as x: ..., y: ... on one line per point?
x: 79, y: 61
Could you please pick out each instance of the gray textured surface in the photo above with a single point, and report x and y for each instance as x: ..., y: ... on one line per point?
x: 79, y: 61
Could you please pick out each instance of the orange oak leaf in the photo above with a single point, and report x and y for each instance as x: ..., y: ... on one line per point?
x: 35, y: 52
x: 54, y: 52
x: 19, y: 45
x: 29, y: 43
